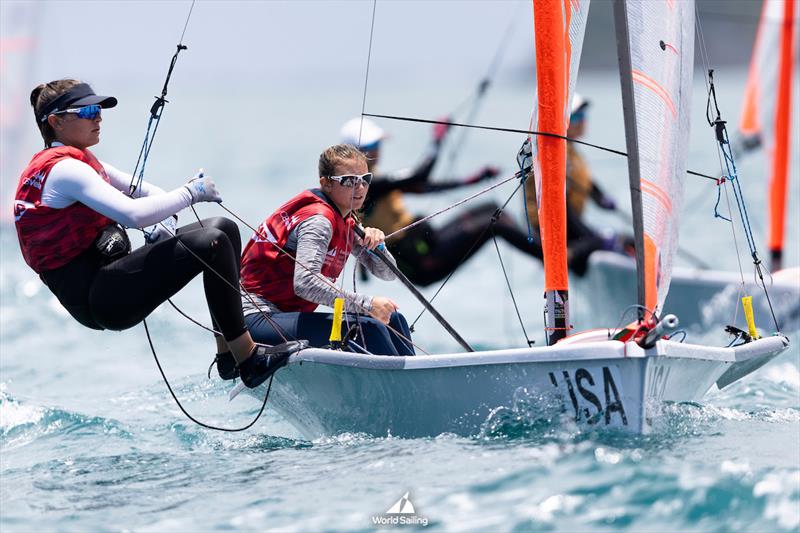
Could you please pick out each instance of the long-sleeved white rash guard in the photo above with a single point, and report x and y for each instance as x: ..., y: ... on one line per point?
x: 73, y: 181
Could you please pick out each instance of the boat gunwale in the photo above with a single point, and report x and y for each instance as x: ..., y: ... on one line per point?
x: 602, y: 350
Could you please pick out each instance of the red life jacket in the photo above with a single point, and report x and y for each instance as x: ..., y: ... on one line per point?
x: 50, y: 237
x: 269, y: 272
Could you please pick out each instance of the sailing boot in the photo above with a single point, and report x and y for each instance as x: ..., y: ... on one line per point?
x: 226, y: 366
x: 265, y: 360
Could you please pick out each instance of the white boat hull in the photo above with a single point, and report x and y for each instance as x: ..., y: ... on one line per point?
x: 600, y: 384
x: 698, y: 297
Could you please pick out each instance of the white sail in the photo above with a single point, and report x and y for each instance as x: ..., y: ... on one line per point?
x: 658, y: 75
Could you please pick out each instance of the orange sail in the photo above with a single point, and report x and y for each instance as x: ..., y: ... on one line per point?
x: 766, y: 114
x: 780, y: 156
x: 559, y: 28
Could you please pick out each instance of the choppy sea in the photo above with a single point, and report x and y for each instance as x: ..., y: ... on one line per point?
x: 91, y: 440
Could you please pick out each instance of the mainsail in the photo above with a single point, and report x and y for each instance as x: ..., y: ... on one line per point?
x: 655, y: 44
x: 559, y: 26
x: 767, y: 106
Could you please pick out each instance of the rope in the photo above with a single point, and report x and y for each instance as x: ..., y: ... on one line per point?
x: 466, y: 255
x: 724, y: 147
x: 452, y: 206
x: 366, y: 76
x: 155, y: 115
x: 185, y: 412
x: 722, y: 181
x: 510, y: 290
x: 526, y: 132
x: 155, y: 118
x: 479, y: 94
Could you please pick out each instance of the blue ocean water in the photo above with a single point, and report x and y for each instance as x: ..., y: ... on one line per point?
x: 91, y: 440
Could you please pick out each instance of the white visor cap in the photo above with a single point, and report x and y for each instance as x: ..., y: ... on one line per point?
x: 361, y: 132
x: 578, y: 103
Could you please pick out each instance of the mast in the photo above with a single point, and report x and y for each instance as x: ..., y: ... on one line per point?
x: 780, y: 156
x: 655, y: 47
x: 632, y: 145
x: 552, y: 79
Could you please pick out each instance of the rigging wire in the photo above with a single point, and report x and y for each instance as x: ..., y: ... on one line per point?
x: 479, y: 94
x: 155, y: 115
x: 526, y: 132
x: 729, y: 174
x: 510, y: 290
x: 156, y: 112
x: 469, y: 252
x: 722, y: 182
x: 453, y: 206
x: 350, y: 236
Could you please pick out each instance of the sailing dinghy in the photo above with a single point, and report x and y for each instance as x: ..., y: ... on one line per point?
x: 698, y: 296
x: 592, y: 378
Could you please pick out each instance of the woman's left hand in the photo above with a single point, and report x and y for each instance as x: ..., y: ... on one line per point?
x: 373, y: 237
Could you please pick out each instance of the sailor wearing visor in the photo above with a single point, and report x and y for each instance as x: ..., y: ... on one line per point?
x: 69, y: 211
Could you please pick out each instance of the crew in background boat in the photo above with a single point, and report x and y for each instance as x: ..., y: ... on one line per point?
x: 68, y: 210
x: 291, y: 264
x: 581, y: 239
x: 425, y: 254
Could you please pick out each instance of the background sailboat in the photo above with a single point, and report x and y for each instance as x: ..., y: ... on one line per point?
x: 697, y: 295
x: 591, y: 377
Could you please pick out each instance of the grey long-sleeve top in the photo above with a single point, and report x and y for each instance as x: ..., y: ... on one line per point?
x: 310, y: 240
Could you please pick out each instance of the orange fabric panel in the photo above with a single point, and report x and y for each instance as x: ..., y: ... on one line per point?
x: 650, y: 274
x: 749, y: 123
x: 780, y: 160
x: 552, y: 78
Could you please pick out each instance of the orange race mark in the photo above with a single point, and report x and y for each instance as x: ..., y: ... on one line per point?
x: 653, y: 85
x: 650, y: 274
x: 658, y: 193
x: 780, y: 163
x: 749, y: 124
x: 551, y: 79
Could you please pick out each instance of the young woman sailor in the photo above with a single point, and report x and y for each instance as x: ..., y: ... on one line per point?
x: 291, y: 264
x: 68, y: 205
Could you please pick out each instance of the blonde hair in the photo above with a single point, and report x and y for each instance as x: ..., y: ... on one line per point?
x: 336, y: 154
x: 41, y: 96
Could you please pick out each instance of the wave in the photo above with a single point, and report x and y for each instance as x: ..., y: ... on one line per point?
x: 21, y: 423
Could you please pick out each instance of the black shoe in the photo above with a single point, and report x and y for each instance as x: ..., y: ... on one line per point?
x: 265, y: 360
x: 226, y: 366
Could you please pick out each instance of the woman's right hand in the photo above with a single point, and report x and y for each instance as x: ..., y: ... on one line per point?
x: 382, y: 309
x: 203, y: 189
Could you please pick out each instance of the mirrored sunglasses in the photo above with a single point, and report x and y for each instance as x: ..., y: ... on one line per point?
x: 90, y: 112
x: 351, y: 180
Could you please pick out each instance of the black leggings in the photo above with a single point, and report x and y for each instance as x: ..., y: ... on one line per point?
x: 124, y: 292
x: 427, y: 256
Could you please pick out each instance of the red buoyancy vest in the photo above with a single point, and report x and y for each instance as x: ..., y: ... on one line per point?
x: 269, y: 272
x: 50, y: 237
